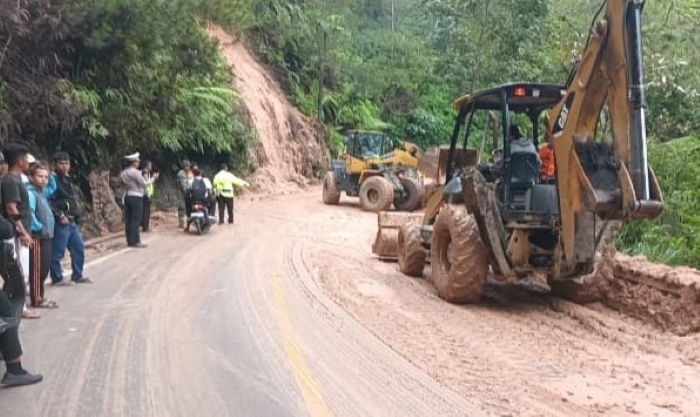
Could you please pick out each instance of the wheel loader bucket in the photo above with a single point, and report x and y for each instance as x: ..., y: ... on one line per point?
x: 433, y: 162
x: 385, y: 244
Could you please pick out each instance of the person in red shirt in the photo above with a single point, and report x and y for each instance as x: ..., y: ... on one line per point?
x: 547, y: 167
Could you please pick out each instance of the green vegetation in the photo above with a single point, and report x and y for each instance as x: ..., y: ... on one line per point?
x: 674, y: 238
x: 103, y: 77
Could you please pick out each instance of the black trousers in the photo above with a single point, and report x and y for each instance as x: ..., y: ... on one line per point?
x: 146, y: 222
x: 133, y: 210
x: 11, y: 303
x: 39, y: 264
x: 228, y: 203
x: 11, y: 313
x: 188, y: 205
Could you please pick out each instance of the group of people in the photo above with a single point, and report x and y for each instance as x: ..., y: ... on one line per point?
x: 216, y: 196
x: 138, y: 178
x: 40, y: 219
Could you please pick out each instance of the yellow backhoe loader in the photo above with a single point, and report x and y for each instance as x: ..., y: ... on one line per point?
x: 378, y: 170
x: 500, y: 216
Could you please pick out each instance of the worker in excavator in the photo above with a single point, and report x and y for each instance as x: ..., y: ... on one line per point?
x: 547, y: 167
x: 520, y: 144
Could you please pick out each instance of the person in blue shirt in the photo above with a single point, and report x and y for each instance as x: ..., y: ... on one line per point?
x: 42, y: 232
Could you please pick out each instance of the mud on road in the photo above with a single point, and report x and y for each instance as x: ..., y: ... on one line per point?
x: 513, y: 353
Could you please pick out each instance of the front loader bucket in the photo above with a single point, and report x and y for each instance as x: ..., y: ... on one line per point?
x: 385, y: 244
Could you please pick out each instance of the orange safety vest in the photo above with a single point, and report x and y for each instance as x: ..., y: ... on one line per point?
x: 547, y: 167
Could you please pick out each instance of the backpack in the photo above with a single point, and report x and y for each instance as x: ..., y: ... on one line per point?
x: 198, y: 190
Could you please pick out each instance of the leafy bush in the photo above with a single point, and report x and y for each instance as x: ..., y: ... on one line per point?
x: 673, y: 238
x: 114, y: 76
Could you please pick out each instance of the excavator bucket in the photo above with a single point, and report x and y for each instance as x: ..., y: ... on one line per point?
x: 385, y: 244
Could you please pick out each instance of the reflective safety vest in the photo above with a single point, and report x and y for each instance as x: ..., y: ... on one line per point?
x: 150, y: 190
x: 225, y: 182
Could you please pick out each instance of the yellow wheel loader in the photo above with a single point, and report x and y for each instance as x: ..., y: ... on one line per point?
x: 378, y: 170
x: 501, y: 216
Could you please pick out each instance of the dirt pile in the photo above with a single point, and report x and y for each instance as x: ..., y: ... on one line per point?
x: 667, y: 296
x: 290, y: 151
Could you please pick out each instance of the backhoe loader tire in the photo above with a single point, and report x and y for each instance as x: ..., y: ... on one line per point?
x: 458, y: 256
x: 410, y: 253
x: 414, y: 195
x: 376, y: 194
x: 331, y: 193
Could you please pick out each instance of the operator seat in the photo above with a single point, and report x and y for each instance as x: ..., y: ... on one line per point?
x: 525, y: 172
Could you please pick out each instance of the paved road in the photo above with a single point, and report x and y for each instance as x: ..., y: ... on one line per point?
x: 226, y: 324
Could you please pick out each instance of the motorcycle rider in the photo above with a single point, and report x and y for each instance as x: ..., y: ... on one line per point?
x: 200, y: 191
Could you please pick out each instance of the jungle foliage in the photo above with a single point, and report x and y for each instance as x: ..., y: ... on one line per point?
x: 103, y: 78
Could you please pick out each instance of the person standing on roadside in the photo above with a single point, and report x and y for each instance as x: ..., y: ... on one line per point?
x: 67, y: 215
x: 134, y: 190
x: 225, y: 183
x: 150, y: 177
x: 183, y: 178
x: 15, y: 207
x: 12, y: 301
x: 42, y: 230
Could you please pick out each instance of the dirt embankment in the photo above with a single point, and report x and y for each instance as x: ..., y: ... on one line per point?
x: 290, y: 151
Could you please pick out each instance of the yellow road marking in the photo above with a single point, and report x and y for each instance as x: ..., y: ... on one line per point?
x: 307, y: 385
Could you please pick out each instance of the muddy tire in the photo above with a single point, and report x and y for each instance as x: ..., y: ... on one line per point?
x: 331, y: 193
x: 376, y: 194
x: 413, y: 200
x: 458, y: 256
x: 410, y: 253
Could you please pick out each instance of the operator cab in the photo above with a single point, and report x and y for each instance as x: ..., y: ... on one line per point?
x: 514, y: 167
x: 368, y: 144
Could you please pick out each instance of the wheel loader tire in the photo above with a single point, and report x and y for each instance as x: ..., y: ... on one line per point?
x: 458, y: 256
x: 413, y: 200
x: 376, y: 194
x: 410, y: 253
x: 331, y: 193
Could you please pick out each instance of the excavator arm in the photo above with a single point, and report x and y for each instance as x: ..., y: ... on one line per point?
x: 603, y: 178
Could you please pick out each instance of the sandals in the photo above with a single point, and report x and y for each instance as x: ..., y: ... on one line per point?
x: 47, y: 303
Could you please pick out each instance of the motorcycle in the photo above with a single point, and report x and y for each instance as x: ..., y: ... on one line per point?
x: 199, y: 216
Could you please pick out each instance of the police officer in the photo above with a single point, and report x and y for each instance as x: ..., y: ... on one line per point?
x: 135, y: 186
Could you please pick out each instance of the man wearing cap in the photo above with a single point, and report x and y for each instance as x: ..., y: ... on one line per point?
x: 135, y: 186
x: 67, y: 214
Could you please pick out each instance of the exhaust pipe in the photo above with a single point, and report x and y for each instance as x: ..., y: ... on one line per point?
x: 639, y: 165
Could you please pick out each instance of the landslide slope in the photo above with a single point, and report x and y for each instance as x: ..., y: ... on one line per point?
x: 290, y: 151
